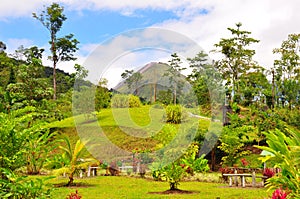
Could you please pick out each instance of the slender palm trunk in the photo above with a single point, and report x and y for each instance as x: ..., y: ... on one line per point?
x: 71, y: 179
x: 54, y: 58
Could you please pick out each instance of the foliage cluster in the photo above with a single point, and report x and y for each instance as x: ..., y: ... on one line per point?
x: 175, y: 114
x: 14, y: 186
x: 286, y: 151
x: 187, y: 164
x: 124, y: 101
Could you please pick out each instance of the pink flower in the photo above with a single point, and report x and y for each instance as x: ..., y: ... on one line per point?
x: 279, y: 194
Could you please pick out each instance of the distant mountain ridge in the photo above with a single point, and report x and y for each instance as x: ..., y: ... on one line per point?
x: 154, y: 80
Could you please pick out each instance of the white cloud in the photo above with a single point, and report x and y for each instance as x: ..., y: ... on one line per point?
x: 270, y: 21
x: 134, y: 49
x: 13, y: 44
x: 127, y: 7
x: 10, y: 9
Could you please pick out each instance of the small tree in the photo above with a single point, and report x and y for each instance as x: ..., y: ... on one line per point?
x: 73, y: 155
x: 290, y: 57
x: 231, y: 144
x: 187, y: 164
x: 102, y: 95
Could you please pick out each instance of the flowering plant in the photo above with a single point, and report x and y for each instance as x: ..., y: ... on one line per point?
x: 74, y: 195
x: 268, y: 172
x: 279, y: 194
x: 244, y: 162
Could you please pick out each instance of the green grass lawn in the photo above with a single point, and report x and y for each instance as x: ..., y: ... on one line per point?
x: 128, y: 187
x: 142, y: 128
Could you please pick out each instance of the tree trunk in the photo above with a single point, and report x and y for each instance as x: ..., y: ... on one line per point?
x: 175, y: 95
x: 71, y: 180
x: 213, y: 158
x: 154, y: 92
x: 54, y: 81
x: 273, y: 89
x: 173, y: 186
x: 55, y: 60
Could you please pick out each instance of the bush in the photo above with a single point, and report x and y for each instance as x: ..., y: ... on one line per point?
x: 286, y: 151
x: 14, y: 186
x: 119, y: 101
x: 124, y: 101
x: 134, y: 101
x: 187, y: 164
x: 175, y: 114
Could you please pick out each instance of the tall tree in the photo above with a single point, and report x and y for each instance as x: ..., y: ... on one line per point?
x: 199, y: 77
x: 290, y: 56
x: 287, y: 69
x: 173, y: 72
x: 102, y: 95
x: 62, y: 49
x: 237, y: 57
x: 132, y: 79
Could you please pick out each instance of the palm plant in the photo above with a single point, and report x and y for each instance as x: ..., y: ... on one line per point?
x: 74, y: 156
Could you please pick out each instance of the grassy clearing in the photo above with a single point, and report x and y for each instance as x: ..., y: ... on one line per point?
x: 138, y: 128
x: 127, y: 187
x: 128, y: 129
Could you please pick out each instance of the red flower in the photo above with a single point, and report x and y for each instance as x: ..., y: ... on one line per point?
x: 279, y: 194
x: 244, y: 162
x: 269, y: 172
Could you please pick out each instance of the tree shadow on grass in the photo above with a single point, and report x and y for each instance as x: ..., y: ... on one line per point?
x: 175, y: 191
x: 74, y: 185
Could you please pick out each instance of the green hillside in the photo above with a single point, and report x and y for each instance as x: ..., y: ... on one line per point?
x: 127, y: 128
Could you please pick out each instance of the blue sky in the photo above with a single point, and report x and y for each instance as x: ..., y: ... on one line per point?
x: 87, y: 26
x: 204, y: 21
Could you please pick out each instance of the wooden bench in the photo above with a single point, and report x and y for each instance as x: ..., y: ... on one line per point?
x: 243, y: 176
x: 125, y: 168
x: 92, y: 170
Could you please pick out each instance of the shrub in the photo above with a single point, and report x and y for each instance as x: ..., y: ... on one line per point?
x: 119, y: 101
x: 124, y: 101
x: 187, y: 164
x: 175, y: 114
x: 286, y: 150
x: 134, y: 101
x: 14, y: 186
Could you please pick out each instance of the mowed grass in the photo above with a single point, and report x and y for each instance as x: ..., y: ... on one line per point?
x: 127, y: 128
x: 115, y: 187
x: 142, y: 127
